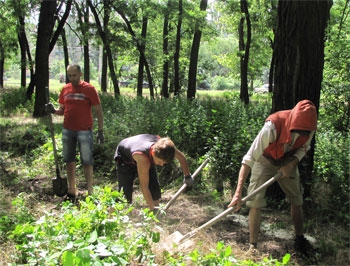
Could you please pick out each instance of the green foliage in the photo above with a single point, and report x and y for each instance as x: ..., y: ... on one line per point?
x: 99, y: 231
x: 13, y: 102
x: 221, y: 129
x: 221, y: 256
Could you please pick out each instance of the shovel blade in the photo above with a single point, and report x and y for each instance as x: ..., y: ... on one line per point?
x: 60, y: 186
x: 174, y: 242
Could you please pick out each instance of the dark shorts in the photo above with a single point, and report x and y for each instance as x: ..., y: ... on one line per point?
x: 84, y: 139
x: 126, y: 174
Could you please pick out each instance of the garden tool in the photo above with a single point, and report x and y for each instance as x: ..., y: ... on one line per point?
x: 185, y: 185
x: 178, y: 238
x: 59, y: 184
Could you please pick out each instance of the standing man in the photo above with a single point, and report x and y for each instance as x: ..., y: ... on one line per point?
x: 137, y: 156
x: 76, y: 101
x: 279, y: 147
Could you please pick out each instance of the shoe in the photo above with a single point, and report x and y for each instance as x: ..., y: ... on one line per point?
x: 303, y: 246
x: 71, y: 198
x: 252, y: 251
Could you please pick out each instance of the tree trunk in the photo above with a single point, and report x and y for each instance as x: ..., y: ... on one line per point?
x: 86, y: 46
x: 65, y: 53
x: 104, y: 71
x: 298, y: 61
x: 299, y: 52
x: 2, y: 64
x: 165, y: 90
x: 142, y: 48
x: 244, y: 49
x: 192, y: 72
x: 107, y: 47
x: 22, y: 44
x: 177, y: 86
x: 104, y: 77
x: 45, y: 30
x: 143, y: 62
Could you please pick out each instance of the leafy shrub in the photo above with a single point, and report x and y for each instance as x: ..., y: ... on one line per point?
x: 100, y: 231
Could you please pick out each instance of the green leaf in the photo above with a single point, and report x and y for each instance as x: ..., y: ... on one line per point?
x: 67, y: 258
x: 286, y: 259
x: 117, y: 249
x: 93, y: 237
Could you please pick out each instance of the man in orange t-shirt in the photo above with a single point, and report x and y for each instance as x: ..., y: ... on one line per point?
x: 280, y: 145
x: 76, y: 101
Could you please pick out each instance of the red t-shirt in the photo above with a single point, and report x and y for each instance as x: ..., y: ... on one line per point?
x: 77, y: 103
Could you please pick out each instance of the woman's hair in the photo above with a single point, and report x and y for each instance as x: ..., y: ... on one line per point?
x: 164, y: 149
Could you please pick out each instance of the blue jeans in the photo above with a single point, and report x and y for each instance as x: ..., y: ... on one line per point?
x: 84, y: 139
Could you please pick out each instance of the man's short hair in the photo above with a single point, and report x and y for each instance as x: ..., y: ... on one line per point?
x: 164, y: 149
x: 74, y: 65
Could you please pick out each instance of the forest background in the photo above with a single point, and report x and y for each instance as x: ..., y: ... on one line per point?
x: 201, y: 67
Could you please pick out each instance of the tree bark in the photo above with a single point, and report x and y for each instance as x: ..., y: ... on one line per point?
x: 298, y: 59
x: 106, y: 17
x: 45, y: 30
x: 22, y: 44
x: 192, y: 72
x: 177, y: 86
x: 299, y: 52
x: 244, y: 49
x: 65, y: 53
x: 106, y: 45
x: 165, y: 90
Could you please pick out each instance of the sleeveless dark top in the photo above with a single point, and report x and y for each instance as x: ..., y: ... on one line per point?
x: 139, y: 144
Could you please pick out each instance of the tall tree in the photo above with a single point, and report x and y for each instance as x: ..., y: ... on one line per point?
x: 299, y: 59
x: 177, y: 86
x: 104, y: 67
x: 192, y: 72
x: 244, y: 48
x: 84, y: 25
x: 46, y: 40
x: 165, y: 91
x: 107, y: 47
x: 299, y: 52
x: 45, y: 30
x: 140, y: 45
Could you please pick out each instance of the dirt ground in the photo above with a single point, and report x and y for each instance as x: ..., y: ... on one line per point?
x: 188, y: 212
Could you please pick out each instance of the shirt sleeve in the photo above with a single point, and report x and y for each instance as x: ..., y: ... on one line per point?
x: 266, y: 136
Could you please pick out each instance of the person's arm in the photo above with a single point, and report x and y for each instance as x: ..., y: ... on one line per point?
x: 237, y: 197
x: 183, y: 162
x: 288, y: 168
x: 143, y: 166
x: 99, y: 114
x: 266, y: 135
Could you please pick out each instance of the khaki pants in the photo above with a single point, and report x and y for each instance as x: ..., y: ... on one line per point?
x: 262, y: 171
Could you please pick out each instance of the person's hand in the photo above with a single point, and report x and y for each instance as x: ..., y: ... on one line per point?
x: 236, y: 200
x: 100, y: 136
x: 49, y: 108
x: 188, y: 180
x: 157, y: 212
x: 287, y: 170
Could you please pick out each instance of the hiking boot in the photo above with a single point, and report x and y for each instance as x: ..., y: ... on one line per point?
x: 303, y: 246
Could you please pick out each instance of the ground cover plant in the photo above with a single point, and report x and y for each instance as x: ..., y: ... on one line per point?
x: 37, y: 228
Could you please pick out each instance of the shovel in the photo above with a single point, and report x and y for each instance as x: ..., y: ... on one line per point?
x: 185, y: 185
x: 177, y: 238
x: 59, y: 184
